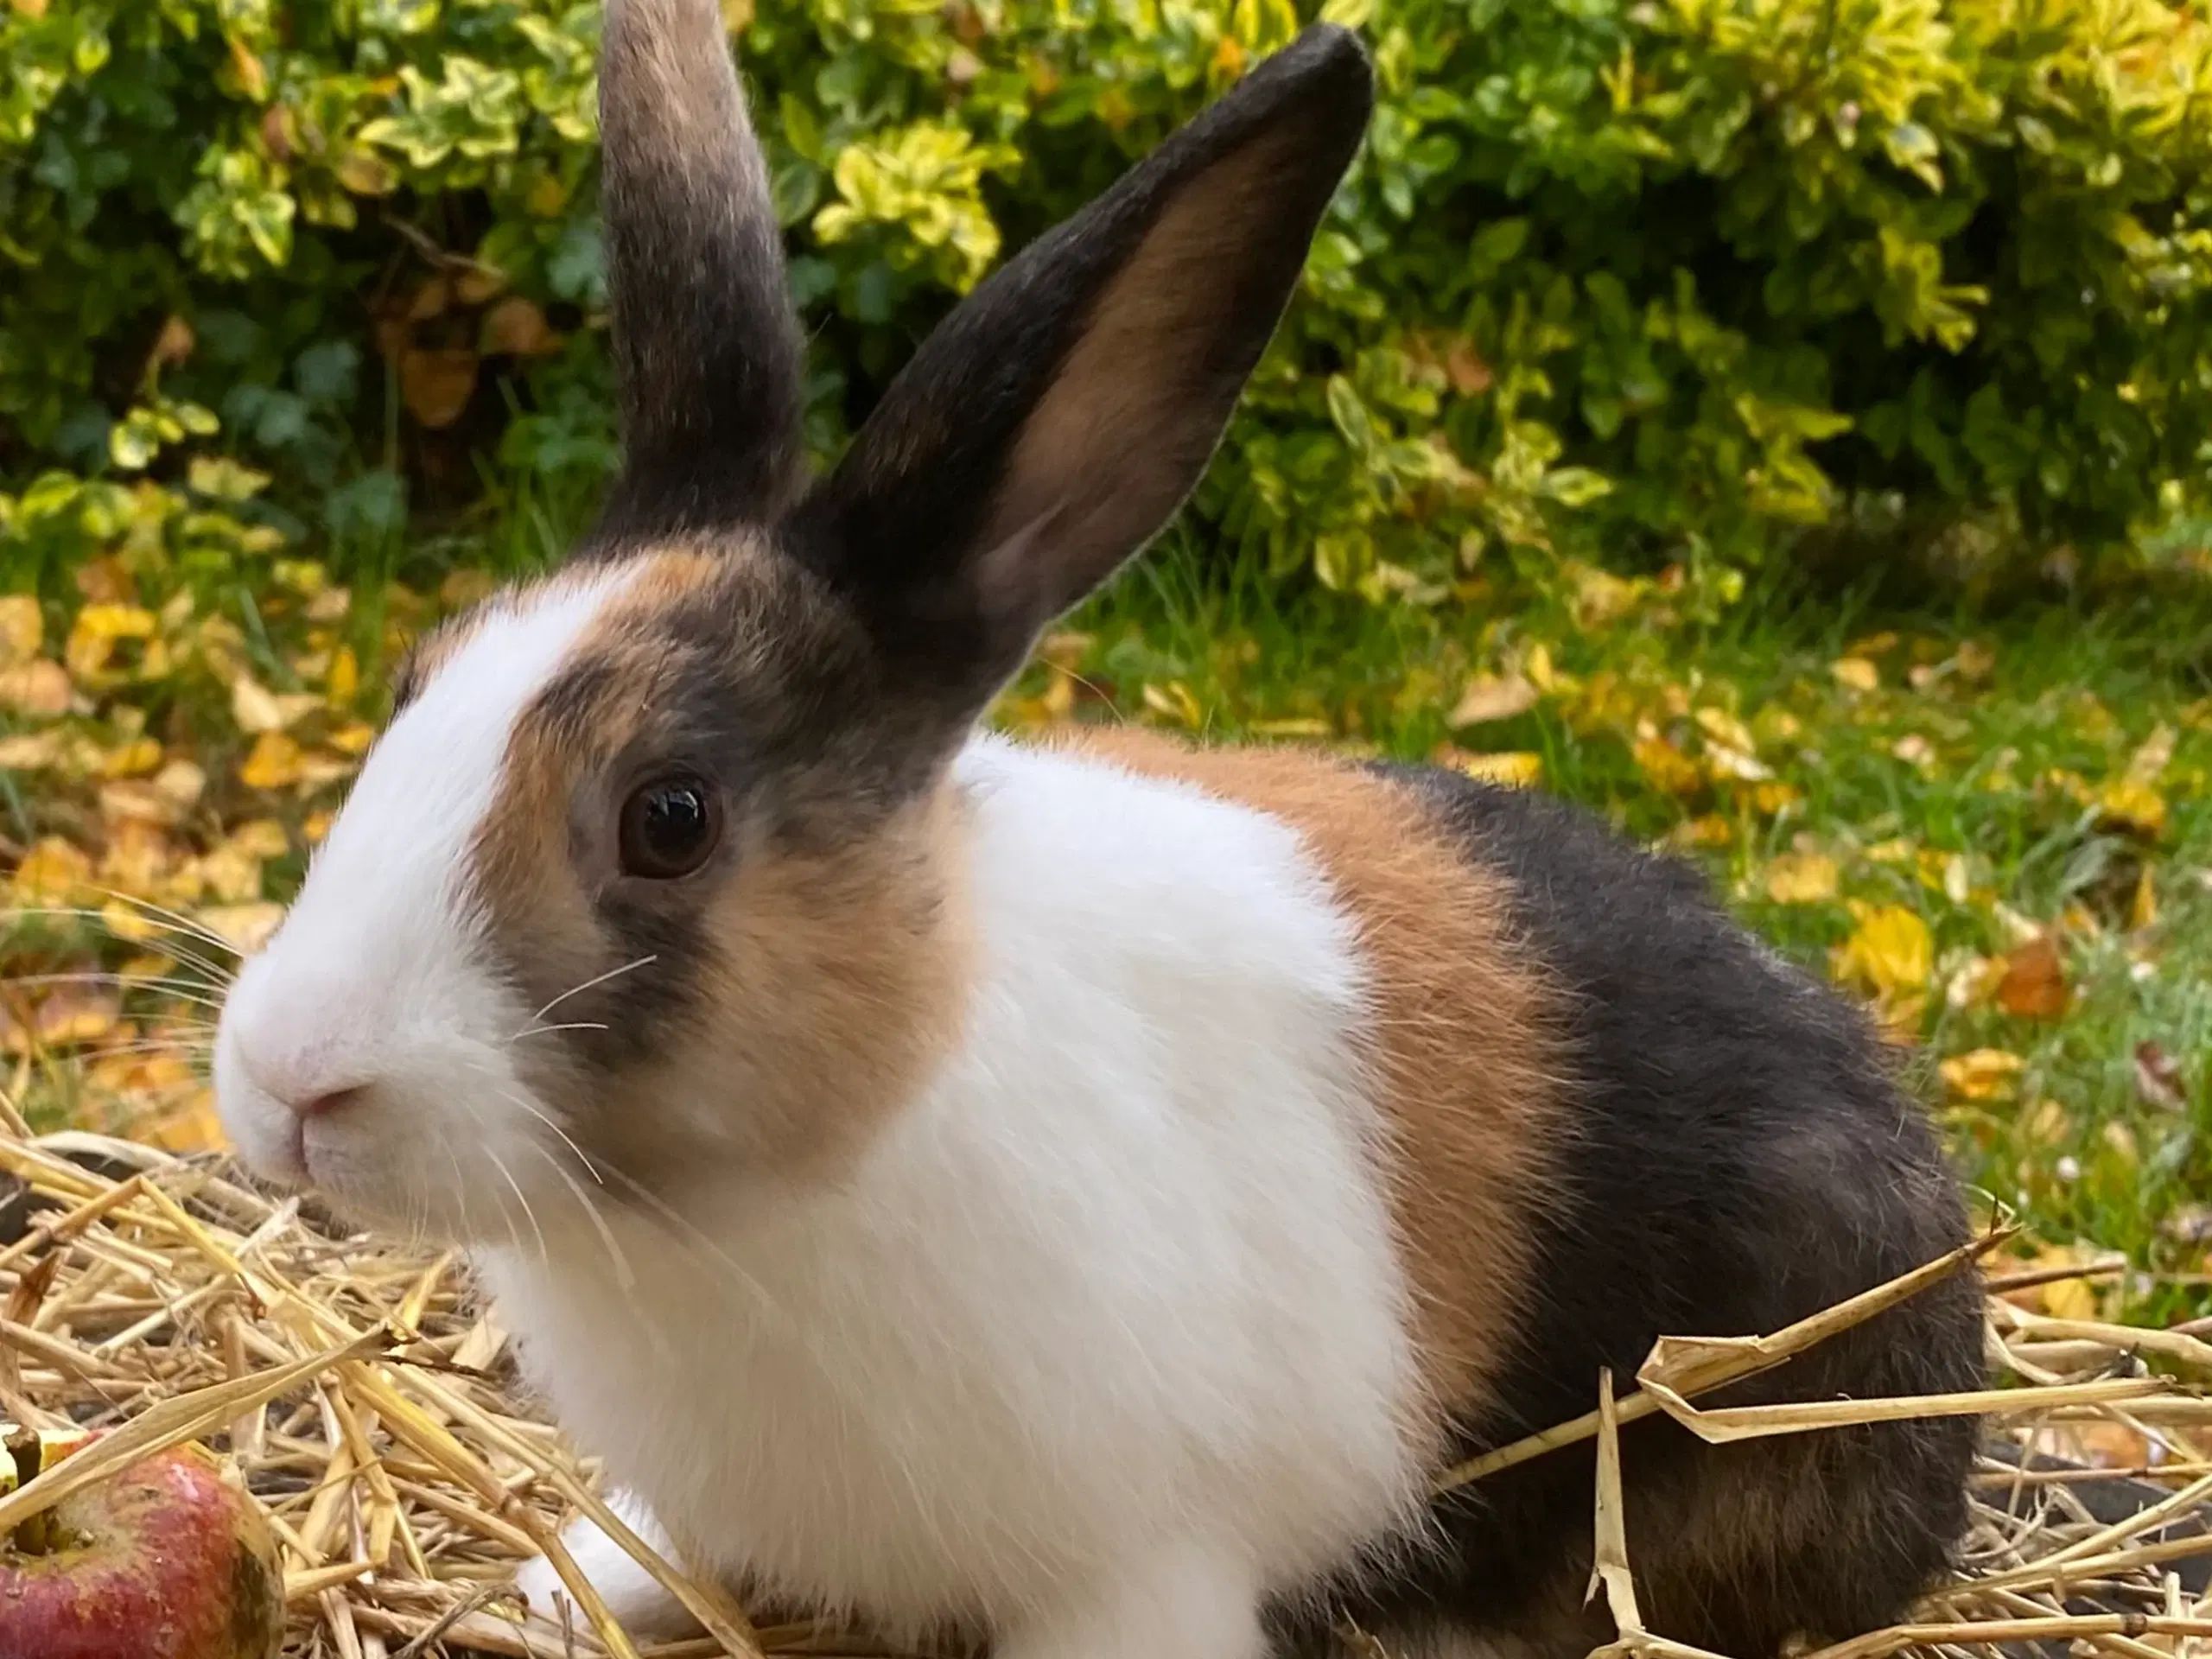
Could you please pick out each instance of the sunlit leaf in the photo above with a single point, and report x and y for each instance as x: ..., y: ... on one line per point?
x: 30, y: 751
x: 247, y: 927
x: 1856, y: 672
x: 253, y: 707
x: 138, y: 857
x: 53, y: 872
x: 72, y: 1015
x: 93, y: 637
x: 2034, y: 985
x: 38, y: 688
x: 1889, y: 952
x: 194, y: 1127
x: 1801, y: 879
x: 1173, y: 701
x: 1667, y: 768
x: 2132, y: 805
x: 22, y: 629
x: 1489, y: 697
x: 1515, y: 769
x: 1984, y: 1074
x: 2143, y: 908
x: 274, y: 763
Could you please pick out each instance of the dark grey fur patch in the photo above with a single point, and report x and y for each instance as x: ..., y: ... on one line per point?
x: 1743, y: 1159
x: 707, y: 348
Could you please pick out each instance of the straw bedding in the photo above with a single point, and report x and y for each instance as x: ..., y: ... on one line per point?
x: 366, y: 1401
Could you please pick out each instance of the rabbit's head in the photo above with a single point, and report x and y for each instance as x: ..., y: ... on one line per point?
x: 653, y: 873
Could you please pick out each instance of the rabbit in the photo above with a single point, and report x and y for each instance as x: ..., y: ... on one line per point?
x: 1070, y: 1199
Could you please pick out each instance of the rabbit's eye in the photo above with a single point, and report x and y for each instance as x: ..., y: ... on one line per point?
x: 668, y: 826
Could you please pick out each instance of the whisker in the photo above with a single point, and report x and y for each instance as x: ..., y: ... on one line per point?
x: 598, y: 979
x: 546, y: 1118
x: 545, y: 1252
x: 198, y: 930
x: 165, y: 986
x: 625, y: 1277
x: 574, y: 1024
x: 150, y: 1045
x: 206, y: 965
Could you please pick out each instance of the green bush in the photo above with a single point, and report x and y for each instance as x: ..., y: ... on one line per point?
x: 1646, y: 277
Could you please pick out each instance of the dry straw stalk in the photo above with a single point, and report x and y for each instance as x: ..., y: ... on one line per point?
x: 367, y: 1403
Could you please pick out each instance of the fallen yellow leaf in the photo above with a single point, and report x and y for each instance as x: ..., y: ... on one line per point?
x: 180, y: 783
x: 1891, y: 951
x: 2132, y: 804
x: 246, y: 927
x: 31, y: 752
x: 1856, y: 672
x: 253, y: 707
x: 129, y: 923
x: 1721, y: 727
x: 1915, y: 751
x: 1774, y: 797
x: 1801, y: 879
x: 194, y: 1127
x: 76, y: 1015
x: 232, y: 873
x: 1515, y: 769
x: 94, y: 635
x: 1490, y: 697
x: 1974, y: 982
x: 38, y: 688
x: 138, y: 858
x: 260, y: 838
x: 141, y: 754
x: 1667, y: 768
x: 1174, y: 701
x: 274, y: 762
x: 1982, y: 1074
x: 52, y: 872
x: 2152, y: 759
x: 23, y: 630
x: 1707, y: 829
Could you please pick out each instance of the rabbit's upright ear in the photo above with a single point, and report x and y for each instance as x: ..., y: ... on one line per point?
x: 707, y: 347
x: 1057, y: 419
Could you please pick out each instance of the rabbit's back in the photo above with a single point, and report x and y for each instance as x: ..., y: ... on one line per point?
x: 1661, y: 1127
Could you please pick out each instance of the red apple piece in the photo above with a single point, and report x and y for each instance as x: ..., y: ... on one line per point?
x: 167, y: 1560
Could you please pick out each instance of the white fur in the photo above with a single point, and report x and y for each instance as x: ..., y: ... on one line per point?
x: 1104, y: 1339
x: 636, y: 1599
x: 377, y: 976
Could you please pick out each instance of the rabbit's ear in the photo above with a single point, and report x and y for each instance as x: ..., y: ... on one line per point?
x: 707, y: 347
x: 1057, y: 419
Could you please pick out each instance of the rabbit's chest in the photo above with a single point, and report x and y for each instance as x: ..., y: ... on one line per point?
x: 897, y: 1451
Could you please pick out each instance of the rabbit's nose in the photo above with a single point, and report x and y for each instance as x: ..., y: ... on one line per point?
x: 323, y: 1104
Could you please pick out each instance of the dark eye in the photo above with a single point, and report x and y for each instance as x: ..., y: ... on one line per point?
x: 668, y: 826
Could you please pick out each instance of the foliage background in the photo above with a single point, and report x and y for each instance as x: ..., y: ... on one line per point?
x: 1631, y: 309
x: 1649, y: 275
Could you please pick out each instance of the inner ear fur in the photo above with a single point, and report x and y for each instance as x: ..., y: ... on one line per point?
x: 1057, y: 418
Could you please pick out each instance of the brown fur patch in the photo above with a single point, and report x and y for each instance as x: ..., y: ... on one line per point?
x: 822, y: 974
x: 1463, y: 1045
